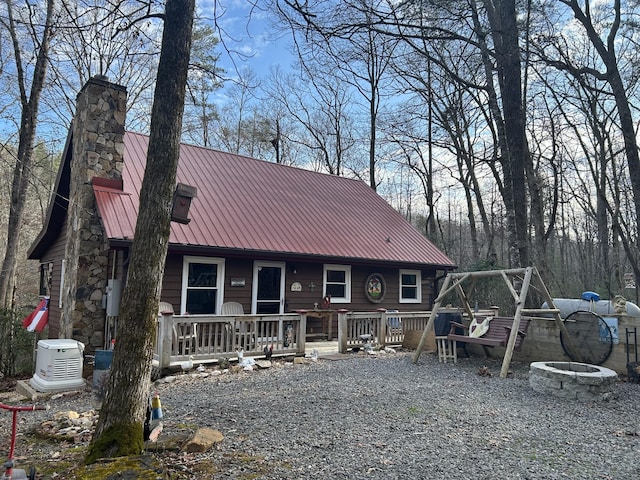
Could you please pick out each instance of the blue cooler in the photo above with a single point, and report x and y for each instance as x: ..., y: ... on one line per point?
x: 101, y: 368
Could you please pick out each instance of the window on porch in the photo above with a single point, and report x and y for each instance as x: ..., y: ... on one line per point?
x: 202, y: 285
x: 337, y: 283
x: 410, y: 286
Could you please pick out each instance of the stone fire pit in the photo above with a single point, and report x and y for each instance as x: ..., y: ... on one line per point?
x: 573, y: 380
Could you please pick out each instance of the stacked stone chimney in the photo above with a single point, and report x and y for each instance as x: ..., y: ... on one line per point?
x: 98, y: 148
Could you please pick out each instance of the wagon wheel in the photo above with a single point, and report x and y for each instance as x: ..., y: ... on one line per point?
x: 591, y: 337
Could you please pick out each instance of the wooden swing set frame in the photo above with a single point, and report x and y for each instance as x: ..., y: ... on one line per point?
x: 529, y: 278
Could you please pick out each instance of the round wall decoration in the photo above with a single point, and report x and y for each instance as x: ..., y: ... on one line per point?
x: 375, y: 288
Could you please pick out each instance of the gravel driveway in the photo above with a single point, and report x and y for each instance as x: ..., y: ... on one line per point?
x: 382, y: 417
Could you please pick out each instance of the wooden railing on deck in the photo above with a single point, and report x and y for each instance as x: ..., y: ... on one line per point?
x: 206, y: 338
x: 386, y: 327
x: 381, y: 327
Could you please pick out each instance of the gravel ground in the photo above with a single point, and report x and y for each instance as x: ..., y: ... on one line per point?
x: 383, y: 417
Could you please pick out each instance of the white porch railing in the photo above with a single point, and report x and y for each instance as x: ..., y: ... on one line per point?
x: 381, y: 327
x: 207, y: 338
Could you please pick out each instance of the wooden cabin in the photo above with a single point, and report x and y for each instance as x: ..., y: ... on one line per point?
x: 272, y: 237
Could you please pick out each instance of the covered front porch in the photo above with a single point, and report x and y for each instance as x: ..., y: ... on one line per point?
x: 210, y: 338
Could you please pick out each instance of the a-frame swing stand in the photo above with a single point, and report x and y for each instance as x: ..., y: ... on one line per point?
x: 529, y: 277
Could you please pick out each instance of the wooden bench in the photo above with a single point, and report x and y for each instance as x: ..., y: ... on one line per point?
x: 497, y: 335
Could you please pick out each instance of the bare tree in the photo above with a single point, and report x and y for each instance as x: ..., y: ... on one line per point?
x: 319, y: 106
x: 204, y: 80
x: 233, y: 129
x: 274, y: 132
x: 29, y: 103
x: 603, y: 26
x: 360, y: 60
x: 502, y: 19
x: 120, y: 428
x: 489, y: 30
x: 97, y: 37
x: 454, y: 115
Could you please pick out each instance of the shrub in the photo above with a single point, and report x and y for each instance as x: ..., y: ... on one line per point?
x: 17, y: 346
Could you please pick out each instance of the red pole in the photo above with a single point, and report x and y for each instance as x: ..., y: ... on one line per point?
x: 14, y: 430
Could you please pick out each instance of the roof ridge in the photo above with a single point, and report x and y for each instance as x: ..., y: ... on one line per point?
x: 261, y: 160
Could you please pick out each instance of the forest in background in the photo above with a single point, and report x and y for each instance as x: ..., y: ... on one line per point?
x: 504, y: 130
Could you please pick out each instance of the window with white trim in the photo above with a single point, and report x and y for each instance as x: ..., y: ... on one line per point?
x: 202, y: 285
x: 410, y: 286
x: 336, y: 282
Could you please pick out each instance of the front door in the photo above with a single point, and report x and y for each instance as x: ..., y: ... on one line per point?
x: 268, y: 288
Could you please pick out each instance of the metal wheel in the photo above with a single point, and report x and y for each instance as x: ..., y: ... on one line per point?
x: 591, y: 337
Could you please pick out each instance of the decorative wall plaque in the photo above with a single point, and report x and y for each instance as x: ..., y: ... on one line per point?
x: 375, y: 288
x: 296, y: 287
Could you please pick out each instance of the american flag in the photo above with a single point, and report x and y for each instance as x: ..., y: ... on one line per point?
x: 37, y: 320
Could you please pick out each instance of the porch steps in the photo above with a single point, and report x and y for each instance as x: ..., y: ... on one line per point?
x: 323, y: 348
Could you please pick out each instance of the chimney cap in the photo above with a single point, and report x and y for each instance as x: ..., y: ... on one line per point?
x: 102, y: 81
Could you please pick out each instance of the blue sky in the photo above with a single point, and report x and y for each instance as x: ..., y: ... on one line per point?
x: 249, y: 33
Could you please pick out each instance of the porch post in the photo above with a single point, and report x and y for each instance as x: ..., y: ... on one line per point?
x: 164, y: 339
x: 342, y: 330
x: 382, y: 327
x: 302, y: 334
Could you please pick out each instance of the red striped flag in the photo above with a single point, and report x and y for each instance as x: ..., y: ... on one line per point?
x: 37, y: 320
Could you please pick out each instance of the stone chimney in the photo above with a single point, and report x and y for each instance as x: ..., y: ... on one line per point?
x: 98, y: 148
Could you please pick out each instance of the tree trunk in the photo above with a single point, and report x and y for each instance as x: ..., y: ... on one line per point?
x: 510, y: 180
x: 24, y: 163
x: 505, y: 34
x: 120, y: 428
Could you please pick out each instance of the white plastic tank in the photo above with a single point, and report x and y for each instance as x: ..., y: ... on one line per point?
x: 600, y: 307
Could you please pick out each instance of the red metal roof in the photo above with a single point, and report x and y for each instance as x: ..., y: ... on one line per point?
x: 248, y: 204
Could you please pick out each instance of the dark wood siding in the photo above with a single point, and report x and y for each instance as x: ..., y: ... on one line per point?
x: 172, y: 282
x: 239, y: 268
x: 310, y: 277
x: 55, y: 254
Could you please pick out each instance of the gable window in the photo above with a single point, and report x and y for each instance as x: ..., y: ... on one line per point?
x: 410, y: 286
x: 202, y: 285
x: 336, y: 282
x: 46, y: 277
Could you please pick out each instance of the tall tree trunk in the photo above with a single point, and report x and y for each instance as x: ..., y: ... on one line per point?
x: 502, y: 16
x: 120, y: 427
x: 512, y: 183
x: 373, y: 114
x: 24, y: 163
x: 430, y: 225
